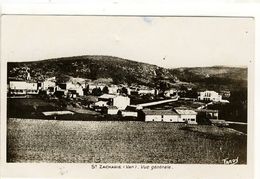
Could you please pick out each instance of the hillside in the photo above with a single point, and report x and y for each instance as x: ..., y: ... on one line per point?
x: 213, y: 77
x: 91, y: 67
x: 125, y: 71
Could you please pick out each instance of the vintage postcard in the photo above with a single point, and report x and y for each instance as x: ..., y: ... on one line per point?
x: 128, y: 92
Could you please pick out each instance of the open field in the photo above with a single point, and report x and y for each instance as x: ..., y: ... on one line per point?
x: 29, y: 107
x: 32, y: 140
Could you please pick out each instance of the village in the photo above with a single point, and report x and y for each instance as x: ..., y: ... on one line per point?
x: 121, y: 100
x: 127, y: 90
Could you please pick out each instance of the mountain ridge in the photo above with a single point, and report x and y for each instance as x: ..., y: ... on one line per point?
x: 120, y: 70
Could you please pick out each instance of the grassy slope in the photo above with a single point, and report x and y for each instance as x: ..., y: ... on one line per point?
x: 89, y: 67
x: 127, y: 71
x: 120, y: 142
x: 219, y: 77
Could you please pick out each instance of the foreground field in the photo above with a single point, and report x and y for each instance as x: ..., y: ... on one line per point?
x: 31, y: 140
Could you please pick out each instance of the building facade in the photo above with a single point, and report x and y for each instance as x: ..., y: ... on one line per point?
x: 160, y: 115
x: 209, y: 96
x: 23, y: 88
x: 121, y: 102
x: 177, y: 115
x: 187, y: 115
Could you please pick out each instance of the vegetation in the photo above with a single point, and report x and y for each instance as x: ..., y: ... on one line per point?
x: 116, y: 70
x: 31, y: 140
x: 236, y: 110
x: 121, y: 71
x: 90, y: 137
x: 213, y: 78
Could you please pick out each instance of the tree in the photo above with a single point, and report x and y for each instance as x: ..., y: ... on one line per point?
x: 105, y: 90
x: 124, y: 90
x: 163, y: 86
x: 97, y: 91
x: 86, y: 90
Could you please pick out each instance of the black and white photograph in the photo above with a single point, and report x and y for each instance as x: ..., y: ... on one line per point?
x: 127, y: 89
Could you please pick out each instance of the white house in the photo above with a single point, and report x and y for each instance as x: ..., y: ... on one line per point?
x: 18, y: 87
x: 112, y: 110
x: 70, y: 88
x: 121, y: 102
x: 49, y: 85
x: 160, y: 115
x: 23, y: 87
x: 177, y: 115
x: 32, y: 88
x: 126, y: 113
x: 75, y: 88
x: 209, y: 96
x: 113, y: 89
x: 186, y: 115
x: 146, y: 91
x: 92, y: 86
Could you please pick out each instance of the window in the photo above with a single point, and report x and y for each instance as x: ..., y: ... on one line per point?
x: 192, y: 119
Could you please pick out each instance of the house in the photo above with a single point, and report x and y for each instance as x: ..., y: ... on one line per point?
x: 113, y: 89
x: 209, y: 96
x: 121, y: 102
x: 127, y: 113
x: 23, y: 87
x: 186, y: 115
x: 92, y: 86
x: 170, y: 92
x: 32, y: 88
x: 75, y: 89
x: 146, y: 91
x: 18, y: 87
x: 182, y: 115
x: 49, y: 85
x: 159, y: 115
x: 71, y: 89
x: 112, y: 110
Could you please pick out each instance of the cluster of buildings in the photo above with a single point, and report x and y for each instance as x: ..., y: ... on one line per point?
x: 72, y: 88
x: 120, y: 105
x: 114, y: 102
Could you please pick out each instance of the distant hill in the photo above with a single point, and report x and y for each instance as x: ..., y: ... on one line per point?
x: 91, y: 67
x: 213, y: 77
x: 235, y: 73
x: 123, y: 71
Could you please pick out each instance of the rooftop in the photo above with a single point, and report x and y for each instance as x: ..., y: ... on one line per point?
x: 111, y: 107
x: 159, y: 112
x: 208, y: 91
x: 109, y: 96
x: 207, y: 110
x: 185, y: 111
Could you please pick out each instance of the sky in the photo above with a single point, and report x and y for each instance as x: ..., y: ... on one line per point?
x: 164, y: 41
